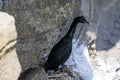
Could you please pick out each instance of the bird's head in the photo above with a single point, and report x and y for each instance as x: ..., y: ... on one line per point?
x: 81, y: 19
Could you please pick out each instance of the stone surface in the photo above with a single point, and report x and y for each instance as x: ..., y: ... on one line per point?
x: 80, y: 60
x: 65, y: 76
x: 40, y: 24
x: 1, y: 5
x: 36, y: 73
x: 108, y: 25
x: 10, y: 67
x: 107, y: 59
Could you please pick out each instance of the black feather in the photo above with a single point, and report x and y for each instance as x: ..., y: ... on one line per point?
x: 62, y: 50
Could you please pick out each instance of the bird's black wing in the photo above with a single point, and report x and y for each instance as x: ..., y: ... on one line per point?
x: 59, y: 54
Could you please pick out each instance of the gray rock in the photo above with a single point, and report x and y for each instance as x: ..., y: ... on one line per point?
x: 36, y: 73
x: 1, y: 4
x: 41, y: 24
x: 108, y: 24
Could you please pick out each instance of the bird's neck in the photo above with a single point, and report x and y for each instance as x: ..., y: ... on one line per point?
x: 72, y: 29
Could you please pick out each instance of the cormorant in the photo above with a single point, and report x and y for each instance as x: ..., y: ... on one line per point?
x: 62, y: 50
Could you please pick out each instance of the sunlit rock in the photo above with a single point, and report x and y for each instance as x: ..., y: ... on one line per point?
x: 9, y: 63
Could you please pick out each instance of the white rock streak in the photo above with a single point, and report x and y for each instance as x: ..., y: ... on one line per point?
x: 79, y: 60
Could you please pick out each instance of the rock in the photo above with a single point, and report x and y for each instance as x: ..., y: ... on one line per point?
x: 1, y: 5
x: 41, y: 24
x: 9, y: 63
x: 66, y: 75
x: 36, y: 73
x: 108, y: 25
x: 80, y: 61
x: 107, y: 42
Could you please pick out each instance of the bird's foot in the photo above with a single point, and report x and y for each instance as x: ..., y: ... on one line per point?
x: 49, y: 72
x: 62, y: 68
x: 71, y: 74
x: 58, y: 71
x: 69, y: 71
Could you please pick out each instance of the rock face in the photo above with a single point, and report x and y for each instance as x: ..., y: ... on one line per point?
x: 106, y: 20
x: 36, y: 73
x: 10, y: 67
x: 40, y: 24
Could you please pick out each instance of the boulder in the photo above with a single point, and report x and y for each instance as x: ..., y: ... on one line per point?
x: 41, y: 24
x: 10, y: 67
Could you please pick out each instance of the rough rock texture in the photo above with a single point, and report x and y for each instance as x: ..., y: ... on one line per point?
x: 1, y: 5
x: 40, y: 24
x: 36, y: 73
x: 107, y: 58
x: 108, y: 21
x: 10, y: 67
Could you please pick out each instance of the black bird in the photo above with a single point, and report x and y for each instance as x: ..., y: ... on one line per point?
x: 62, y: 50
